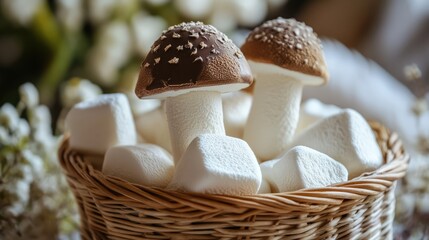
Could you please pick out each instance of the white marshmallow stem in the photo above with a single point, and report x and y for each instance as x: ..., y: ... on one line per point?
x: 274, y: 115
x: 190, y: 115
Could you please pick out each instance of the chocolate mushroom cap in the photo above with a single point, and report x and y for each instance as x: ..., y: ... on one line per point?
x: 192, y: 56
x: 288, y: 44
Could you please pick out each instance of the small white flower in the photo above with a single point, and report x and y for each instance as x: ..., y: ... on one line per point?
x: 41, y: 118
x: 34, y: 161
x: 23, y: 129
x: 21, y: 189
x: 27, y: 173
x: 20, y: 11
x: 146, y: 29
x: 4, y: 135
x: 77, y: 90
x: 412, y: 72
x: 9, y: 116
x: 40, y: 121
x: 29, y: 95
x: 70, y: 14
x: 48, y: 184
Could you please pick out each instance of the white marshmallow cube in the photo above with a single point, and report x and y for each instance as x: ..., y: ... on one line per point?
x: 236, y: 109
x: 312, y: 111
x: 144, y: 164
x: 302, y: 167
x: 153, y: 127
x: 265, y: 187
x: 347, y: 138
x: 97, y: 124
x: 216, y: 164
x: 266, y: 170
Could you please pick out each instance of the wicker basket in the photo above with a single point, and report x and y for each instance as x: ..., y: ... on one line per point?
x: 362, y: 208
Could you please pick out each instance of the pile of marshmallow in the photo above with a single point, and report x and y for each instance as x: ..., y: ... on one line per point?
x: 320, y: 146
x: 223, y: 164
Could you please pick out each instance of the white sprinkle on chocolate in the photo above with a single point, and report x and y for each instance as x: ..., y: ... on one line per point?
x: 214, y: 51
x: 203, y: 45
x: 163, y: 37
x: 156, y: 48
x: 176, y: 35
x: 167, y: 47
x: 194, y: 51
x: 174, y: 60
x: 157, y: 60
x: 146, y: 65
x: 179, y: 48
x: 198, y: 59
x: 194, y: 35
x: 189, y: 45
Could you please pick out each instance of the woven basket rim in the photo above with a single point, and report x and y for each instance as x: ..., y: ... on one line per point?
x: 305, y: 200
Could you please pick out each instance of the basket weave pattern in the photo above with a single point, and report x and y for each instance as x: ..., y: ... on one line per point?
x: 362, y: 208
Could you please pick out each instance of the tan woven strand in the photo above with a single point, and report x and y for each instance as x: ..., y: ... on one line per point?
x: 362, y: 208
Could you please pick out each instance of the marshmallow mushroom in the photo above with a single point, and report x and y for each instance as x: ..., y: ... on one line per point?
x: 284, y: 55
x: 347, y: 138
x: 144, y: 164
x: 190, y: 65
x: 217, y: 164
x: 100, y: 123
x: 302, y: 167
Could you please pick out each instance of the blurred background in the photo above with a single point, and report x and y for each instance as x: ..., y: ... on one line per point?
x: 55, y: 53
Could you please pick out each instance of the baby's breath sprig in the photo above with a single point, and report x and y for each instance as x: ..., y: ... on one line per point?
x: 34, y: 197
